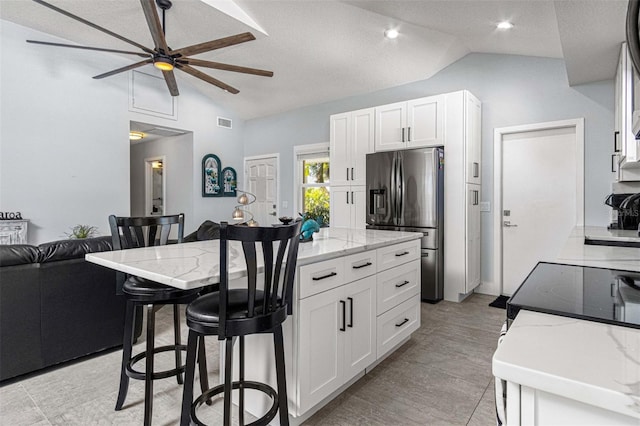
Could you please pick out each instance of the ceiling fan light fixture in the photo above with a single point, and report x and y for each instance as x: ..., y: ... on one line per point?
x: 163, y: 64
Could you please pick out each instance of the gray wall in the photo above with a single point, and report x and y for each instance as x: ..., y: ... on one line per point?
x: 178, y: 152
x: 514, y: 90
x: 64, y: 146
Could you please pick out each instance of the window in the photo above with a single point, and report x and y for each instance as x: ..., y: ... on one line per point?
x: 312, y: 181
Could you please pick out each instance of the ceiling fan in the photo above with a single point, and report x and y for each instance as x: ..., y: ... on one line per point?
x: 162, y: 56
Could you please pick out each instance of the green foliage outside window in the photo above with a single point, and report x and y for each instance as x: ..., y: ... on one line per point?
x: 316, y: 199
x: 316, y: 204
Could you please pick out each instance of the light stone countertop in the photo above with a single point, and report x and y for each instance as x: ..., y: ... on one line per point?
x: 193, y: 265
x: 605, y: 234
x: 594, y: 363
x: 588, y: 361
x: 575, y: 252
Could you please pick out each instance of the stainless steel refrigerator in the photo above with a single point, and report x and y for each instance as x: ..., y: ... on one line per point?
x: 405, y: 192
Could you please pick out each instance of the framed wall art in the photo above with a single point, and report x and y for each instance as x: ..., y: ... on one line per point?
x: 211, y: 176
x: 229, y: 182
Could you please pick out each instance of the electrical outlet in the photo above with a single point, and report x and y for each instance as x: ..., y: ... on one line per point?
x: 485, y: 206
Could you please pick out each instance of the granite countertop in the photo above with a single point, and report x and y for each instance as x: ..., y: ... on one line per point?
x: 192, y: 265
x: 594, y: 363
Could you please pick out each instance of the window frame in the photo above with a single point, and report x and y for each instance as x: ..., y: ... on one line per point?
x: 304, y: 150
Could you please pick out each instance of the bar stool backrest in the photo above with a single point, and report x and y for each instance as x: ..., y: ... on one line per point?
x: 135, y: 232
x: 262, y: 313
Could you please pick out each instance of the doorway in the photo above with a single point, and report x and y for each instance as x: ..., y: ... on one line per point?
x: 155, y: 193
x: 261, y: 179
x: 539, y: 195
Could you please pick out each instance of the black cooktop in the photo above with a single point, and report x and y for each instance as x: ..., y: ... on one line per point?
x: 596, y: 294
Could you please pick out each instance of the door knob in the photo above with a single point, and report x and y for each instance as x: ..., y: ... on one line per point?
x: 272, y: 213
x: 507, y: 224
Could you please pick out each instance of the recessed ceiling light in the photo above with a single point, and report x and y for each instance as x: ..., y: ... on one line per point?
x: 391, y: 34
x: 505, y: 25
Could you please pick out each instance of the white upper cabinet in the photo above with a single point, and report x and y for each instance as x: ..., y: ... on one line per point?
x: 351, y: 139
x: 412, y: 124
x: 473, y: 148
x: 625, y: 141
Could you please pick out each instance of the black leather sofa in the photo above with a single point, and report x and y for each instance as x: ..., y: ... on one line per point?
x: 55, y: 306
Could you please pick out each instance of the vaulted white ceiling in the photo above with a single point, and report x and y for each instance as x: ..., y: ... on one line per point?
x: 322, y: 50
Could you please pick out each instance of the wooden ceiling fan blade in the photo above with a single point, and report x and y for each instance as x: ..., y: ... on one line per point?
x: 225, y: 67
x: 170, y: 78
x: 153, y: 21
x: 212, y: 45
x: 100, y: 49
x: 92, y: 25
x: 123, y: 69
x: 202, y: 76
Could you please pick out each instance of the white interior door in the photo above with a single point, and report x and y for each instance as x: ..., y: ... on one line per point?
x: 262, y: 181
x: 540, y: 193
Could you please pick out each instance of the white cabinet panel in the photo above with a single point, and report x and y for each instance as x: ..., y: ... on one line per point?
x: 397, y: 324
x: 389, y: 257
x: 425, y: 122
x: 472, y: 140
x: 397, y: 285
x: 390, y: 126
x: 357, y: 266
x: 348, y: 207
x: 472, y: 230
x: 360, y: 337
x: 321, y: 276
x: 339, y: 148
x: 321, y: 347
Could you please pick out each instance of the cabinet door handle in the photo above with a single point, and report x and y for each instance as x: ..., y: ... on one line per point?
x: 347, y: 173
x: 333, y: 274
x: 615, y: 141
x: 406, y: 320
x: 344, y: 314
x: 402, y: 284
x: 403, y: 134
x: 364, y: 265
x: 352, y: 202
x: 408, y: 134
x: 347, y: 197
x: 350, y: 312
x: 352, y: 173
x: 402, y: 254
x: 476, y: 170
x: 613, y: 162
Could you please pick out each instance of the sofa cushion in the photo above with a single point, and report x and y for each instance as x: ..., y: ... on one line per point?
x: 18, y: 254
x: 207, y: 231
x: 72, y: 249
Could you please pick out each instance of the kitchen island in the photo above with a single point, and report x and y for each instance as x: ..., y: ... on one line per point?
x: 562, y: 370
x: 356, y: 300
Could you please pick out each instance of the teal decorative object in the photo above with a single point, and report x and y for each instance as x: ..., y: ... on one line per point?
x: 308, y: 228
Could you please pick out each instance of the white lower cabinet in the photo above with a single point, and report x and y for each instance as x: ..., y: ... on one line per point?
x: 529, y: 406
x: 337, y: 339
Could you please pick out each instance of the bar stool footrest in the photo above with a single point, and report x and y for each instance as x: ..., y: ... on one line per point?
x: 140, y: 375
x: 262, y: 387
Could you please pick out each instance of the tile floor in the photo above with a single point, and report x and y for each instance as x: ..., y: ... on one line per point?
x: 442, y: 376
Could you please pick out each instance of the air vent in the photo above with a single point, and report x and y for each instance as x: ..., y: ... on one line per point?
x: 224, y: 122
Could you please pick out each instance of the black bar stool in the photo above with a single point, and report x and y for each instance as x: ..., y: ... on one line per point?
x: 135, y: 232
x: 235, y: 313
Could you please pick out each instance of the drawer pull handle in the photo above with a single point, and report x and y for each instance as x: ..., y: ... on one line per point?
x: 363, y: 265
x: 344, y: 315
x: 406, y: 320
x: 402, y: 254
x: 402, y: 284
x: 333, y: 274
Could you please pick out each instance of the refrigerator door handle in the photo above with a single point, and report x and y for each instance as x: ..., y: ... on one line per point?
x: 400, y: 189
x: 393, y: 191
